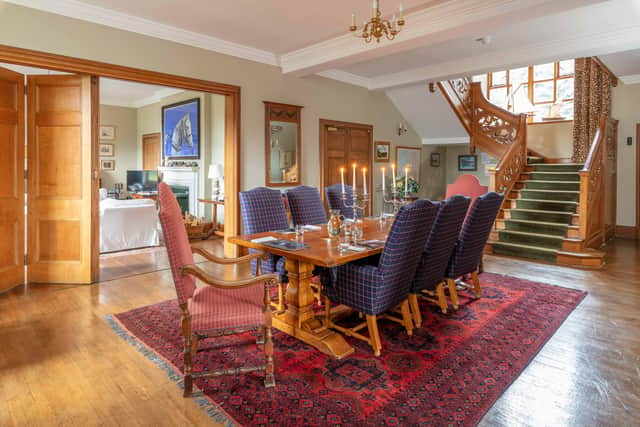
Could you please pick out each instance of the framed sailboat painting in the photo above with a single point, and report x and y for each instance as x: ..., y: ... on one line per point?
x: 181, y: 130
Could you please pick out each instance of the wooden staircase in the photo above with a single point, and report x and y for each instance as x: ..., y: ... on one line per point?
x: 553, y: 212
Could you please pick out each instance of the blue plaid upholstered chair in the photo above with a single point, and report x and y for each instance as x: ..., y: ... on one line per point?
x: 429, y: 278
x: 374, y: 289
x: 470, y: 245
x: 305, y: 205
x: 334, y: 199
x: 262, y: 209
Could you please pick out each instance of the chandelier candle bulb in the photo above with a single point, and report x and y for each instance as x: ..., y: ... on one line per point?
x: 364, y: 180
x: 353, y: 20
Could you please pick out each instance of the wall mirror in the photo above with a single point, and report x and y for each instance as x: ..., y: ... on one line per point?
x: 282, y: 144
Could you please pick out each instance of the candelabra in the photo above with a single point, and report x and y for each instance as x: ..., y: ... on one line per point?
x: 394, y: 200
x: 359, y: 202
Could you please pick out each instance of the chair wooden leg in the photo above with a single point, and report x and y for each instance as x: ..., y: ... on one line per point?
x: 476, y: 283
x: 195, y: 340
x: 415, y: 310
x: 406, y: 317
x: 188, y: 345
x: 327, y: 311
x: 374, y: 335
x: 453, y: 293
x: 269, y: 378
x: 442, y: 298
x: 260, y: 337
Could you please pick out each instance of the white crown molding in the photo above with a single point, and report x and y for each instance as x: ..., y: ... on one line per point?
x: 631, y: 79
x: 111, y: 18
x: 345, y: 77
x: 591, y: 44
x: 446, y: 141
x: 427, y: 26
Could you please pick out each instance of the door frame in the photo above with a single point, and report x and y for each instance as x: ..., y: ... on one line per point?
x: 337, y: 123
x: 232, y: 145
x: 637, y: 181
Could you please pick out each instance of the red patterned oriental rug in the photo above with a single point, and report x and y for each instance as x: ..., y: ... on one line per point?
x: 449, y: 372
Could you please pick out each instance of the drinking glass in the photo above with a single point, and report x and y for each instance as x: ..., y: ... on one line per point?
x: 344, y: 243
x: 299, y: 230
x: 357, y: 231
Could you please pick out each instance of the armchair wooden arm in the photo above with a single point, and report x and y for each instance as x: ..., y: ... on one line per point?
x: 219, y: 260
x: 228, y: 284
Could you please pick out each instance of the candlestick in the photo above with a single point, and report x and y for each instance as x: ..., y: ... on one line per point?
x: 342, y: 178
x: 353, y: 183
x: 364, y: 180
x: 383, y: 182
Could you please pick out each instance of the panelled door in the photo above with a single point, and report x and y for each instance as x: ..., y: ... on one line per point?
x: 341, y: 145
x: 59, y: 152
x: 11, y: 179
x: 150, y: 151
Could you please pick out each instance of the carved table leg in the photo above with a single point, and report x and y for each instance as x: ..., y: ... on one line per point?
x: 299, y: 320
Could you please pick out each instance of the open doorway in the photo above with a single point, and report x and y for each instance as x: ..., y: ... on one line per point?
x: 61, y: 69
x: 147, y: 134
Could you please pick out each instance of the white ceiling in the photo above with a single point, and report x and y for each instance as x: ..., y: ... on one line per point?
x: 112, y: 92
x: 626, y: 65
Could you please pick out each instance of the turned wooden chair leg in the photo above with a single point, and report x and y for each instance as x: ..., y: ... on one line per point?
x: 406, y: 317
x: 188, y: 366
x: 442, y: 298
x: 260, y: 337
x: 374, y: 335
x: 269, y: 379
x: 453, y: 293
x: 476, y: 283
x: 195, y: 340
x: 415, y: 309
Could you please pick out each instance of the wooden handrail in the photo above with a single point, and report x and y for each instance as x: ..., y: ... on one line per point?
x: 492, y: 129
x: 592, y: 201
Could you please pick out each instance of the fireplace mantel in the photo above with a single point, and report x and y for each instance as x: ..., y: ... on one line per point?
x: 187, y: 176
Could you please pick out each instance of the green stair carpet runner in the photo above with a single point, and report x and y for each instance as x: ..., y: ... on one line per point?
x: 542, y: 212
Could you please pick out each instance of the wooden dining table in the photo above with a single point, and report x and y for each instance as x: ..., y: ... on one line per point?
x: 299, y: 319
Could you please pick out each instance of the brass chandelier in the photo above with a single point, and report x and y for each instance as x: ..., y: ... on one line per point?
x: 377, y: 28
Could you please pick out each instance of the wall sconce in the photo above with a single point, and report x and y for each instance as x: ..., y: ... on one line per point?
x: 402, y: 128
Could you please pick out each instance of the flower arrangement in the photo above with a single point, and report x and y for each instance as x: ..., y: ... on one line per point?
x: 413, y: 186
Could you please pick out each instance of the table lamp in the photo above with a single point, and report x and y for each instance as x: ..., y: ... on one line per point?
x: 216, y: 175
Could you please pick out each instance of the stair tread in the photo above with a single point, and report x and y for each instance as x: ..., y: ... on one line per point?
x: 528, y: 221
x: 562, y: 164
x: 540, y: 211
x: 519, y: 245
x: 549, y: 191
x: 546, y: 181
x: 526, y: 233
x: 553, y: 173
x: 547, y: 201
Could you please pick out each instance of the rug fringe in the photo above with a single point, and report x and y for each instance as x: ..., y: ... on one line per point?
x: 212, y: 409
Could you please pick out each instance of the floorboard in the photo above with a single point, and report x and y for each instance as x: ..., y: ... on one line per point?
x: 61, y: 364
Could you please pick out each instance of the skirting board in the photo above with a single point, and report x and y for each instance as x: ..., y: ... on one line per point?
x: 626, y: 232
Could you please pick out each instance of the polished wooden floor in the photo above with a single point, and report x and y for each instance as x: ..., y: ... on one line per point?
x: 60, y: 363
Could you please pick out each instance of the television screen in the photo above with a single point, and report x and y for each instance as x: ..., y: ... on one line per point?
x: 142, y: 181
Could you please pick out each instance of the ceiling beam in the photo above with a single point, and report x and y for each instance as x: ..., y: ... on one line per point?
x: 574, y: 46
x: 438, y: 23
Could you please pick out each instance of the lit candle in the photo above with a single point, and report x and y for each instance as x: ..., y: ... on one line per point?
x: 401, y: 11
x: 342, y: 178
x: 393, y: 175
x: 364, y: 180
x: 383, y: 182
x: 353, y: 19
x: 375, y: 4
x: 406, y: 181
x: 353, y: 181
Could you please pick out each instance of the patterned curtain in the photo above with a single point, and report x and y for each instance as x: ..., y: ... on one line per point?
x: 592, y: 97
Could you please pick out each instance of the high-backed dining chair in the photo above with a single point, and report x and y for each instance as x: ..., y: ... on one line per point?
x: 429, y: 280
x: 262, y: 209
x: 334, y: 199
x: 466, y: 185
x: 220, y: 308
x: 305, y: 205
x: 468, y: 251
x: 375, y: 289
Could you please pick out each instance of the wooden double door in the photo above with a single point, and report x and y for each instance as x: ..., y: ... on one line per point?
x: 341, y: 145
x: 61, y: 179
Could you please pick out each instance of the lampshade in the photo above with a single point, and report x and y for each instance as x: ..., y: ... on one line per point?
x: 216, y: 170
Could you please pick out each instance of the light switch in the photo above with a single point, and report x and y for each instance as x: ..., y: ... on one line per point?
x: 629, y: 140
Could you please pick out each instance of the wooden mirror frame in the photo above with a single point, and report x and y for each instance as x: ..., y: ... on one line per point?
x: 282, y: 113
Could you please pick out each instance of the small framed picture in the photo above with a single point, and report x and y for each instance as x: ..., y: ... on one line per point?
x: 468, y: 162
x: 107, y: 150
x: 382, y: 151
x: 107, y: 132
x: 107, y: 165
x: 435, y: 160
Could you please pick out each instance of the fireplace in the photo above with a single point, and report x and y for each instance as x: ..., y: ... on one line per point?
x: 188, y: 177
